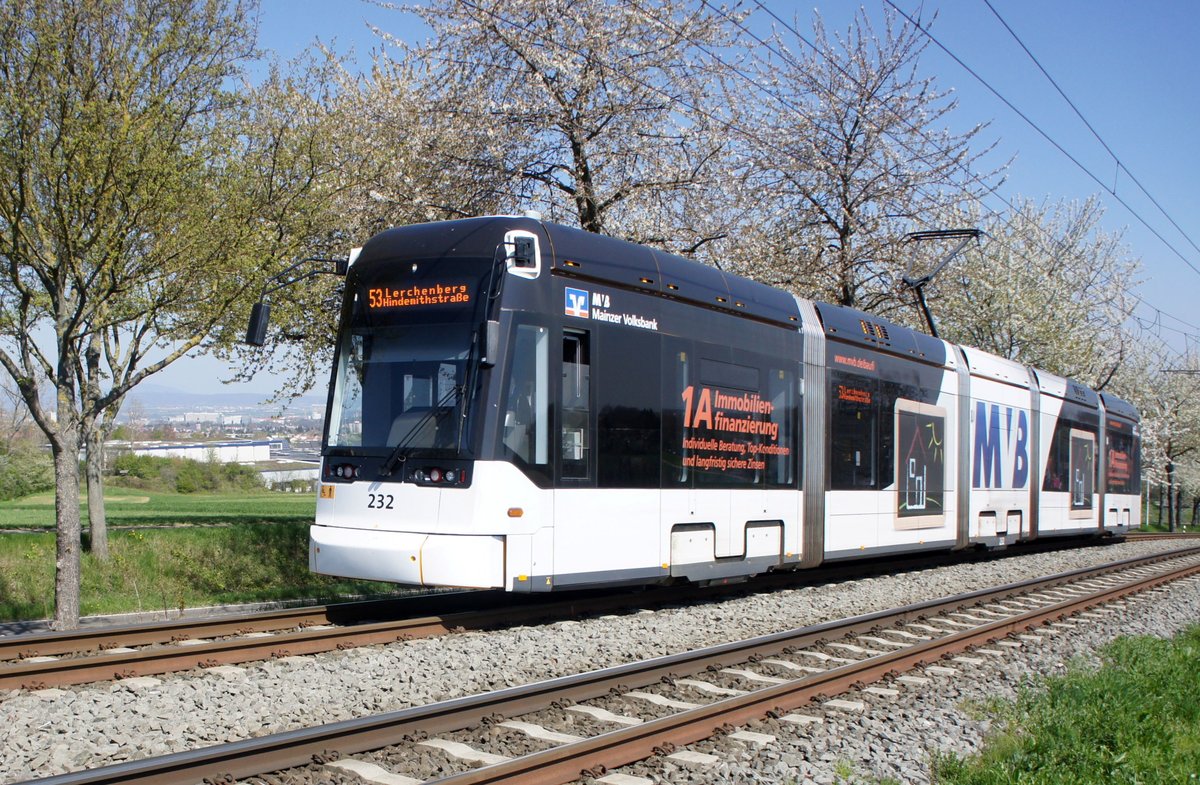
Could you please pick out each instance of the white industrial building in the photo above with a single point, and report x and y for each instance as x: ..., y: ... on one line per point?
x: 287, y: 470
x: 239, y: 451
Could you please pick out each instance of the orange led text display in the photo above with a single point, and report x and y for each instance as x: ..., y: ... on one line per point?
x: 409, y: 296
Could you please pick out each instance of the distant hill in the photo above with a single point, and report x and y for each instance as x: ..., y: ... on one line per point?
x: 158, y: 397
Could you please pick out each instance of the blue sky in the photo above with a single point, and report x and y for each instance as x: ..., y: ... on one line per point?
x: 1130, y: 67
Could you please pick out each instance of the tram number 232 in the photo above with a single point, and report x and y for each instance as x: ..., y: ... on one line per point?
x: 380, y: 501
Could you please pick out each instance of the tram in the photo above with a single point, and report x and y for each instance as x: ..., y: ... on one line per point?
x: 521, y: 405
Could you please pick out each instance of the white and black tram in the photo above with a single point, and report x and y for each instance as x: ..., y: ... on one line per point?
x: 523, y: 405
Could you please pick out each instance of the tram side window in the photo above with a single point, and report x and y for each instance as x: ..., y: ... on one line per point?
x: 729, y: 419
x: 629, y: 432
x: 576, y: 404
x: 1058, y: 463
x: 1083, y: 469
x: 782, y: 459
x: 885, y: 406
x: 526, y: 415
x: 717, y: 417
x: 676, y: 376
x: 854, y: 433
x: 1124, y: 474
x: 1072, y: 464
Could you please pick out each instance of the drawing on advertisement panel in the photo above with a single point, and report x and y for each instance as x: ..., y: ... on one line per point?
x: 1083, y: 472
x: 920, y: 465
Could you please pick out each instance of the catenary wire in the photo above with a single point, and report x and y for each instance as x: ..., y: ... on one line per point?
x: 1120, y: 164
x: 988, y: 189
x: 1046, y: 136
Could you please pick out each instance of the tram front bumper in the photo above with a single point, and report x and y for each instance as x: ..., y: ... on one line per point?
x: 414, y: 558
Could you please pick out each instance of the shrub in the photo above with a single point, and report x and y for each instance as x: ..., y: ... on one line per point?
x: 184, y: 475
x: 25, y: 471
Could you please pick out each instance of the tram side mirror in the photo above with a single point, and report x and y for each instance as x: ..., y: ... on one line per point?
x: 524, y: 253
x: 521, y: 254
x: 260, y: 315
x: 491, y: 343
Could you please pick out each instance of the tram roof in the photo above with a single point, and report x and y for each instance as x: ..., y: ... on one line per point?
x: 875, y: 332
x: 587, y: 255
x: 590, y: 256
x: 1119, y: 407
x: 597, y: 257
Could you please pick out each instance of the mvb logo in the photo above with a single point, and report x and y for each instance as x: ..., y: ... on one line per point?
x: 577, y: 303
x: 1001, y: 447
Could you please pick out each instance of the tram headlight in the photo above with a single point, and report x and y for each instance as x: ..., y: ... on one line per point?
x: 345, y: 471
x: 439, y: 476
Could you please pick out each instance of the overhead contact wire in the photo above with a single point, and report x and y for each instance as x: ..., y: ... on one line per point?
x: 1095, y: 133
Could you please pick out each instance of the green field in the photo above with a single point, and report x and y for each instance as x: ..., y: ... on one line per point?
x: 131, y: 507
x: 170, y: 551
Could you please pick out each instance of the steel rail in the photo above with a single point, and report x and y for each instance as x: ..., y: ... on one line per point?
x: 297, y: 748
x: 406, y: 617
x: 24, y: 674
x: 16, y: 650
x: 564, y: 764
x: 1137, y: 536
x: 55, y: 643
x: 488, y: 609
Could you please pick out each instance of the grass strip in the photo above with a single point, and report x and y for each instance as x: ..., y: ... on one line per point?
x: 1135, y: 720
x: 171, y: 569
x: 136, y: 507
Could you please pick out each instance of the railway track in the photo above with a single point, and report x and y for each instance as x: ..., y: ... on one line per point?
x: 654, y: 707
x: 54, y: 659
x: 1138, y: 536
x: 48, y: 660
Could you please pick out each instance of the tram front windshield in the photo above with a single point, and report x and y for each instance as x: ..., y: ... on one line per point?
x: 404, y: 360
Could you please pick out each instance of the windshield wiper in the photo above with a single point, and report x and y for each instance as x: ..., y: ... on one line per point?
x: 437, y: 410
x: 493, y: 287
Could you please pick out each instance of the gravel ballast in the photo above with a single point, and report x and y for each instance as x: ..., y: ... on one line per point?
x: 55, y: 731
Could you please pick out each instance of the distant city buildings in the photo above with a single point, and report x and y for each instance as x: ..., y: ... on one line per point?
x: 282, y: 443
x: 211, y: 418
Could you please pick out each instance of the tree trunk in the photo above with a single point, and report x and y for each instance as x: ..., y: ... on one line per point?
x: 1171, y: 491
x: 97, y: 521
x: 67, y: 577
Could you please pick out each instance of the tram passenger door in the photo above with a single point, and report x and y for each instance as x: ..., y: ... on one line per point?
x: 606, y: 500
x: 724, y: 490
x: 575, y: 503
x: 1081, y: 487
